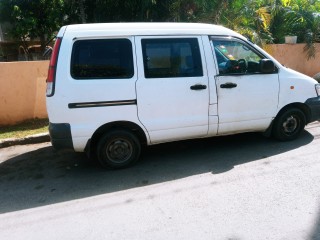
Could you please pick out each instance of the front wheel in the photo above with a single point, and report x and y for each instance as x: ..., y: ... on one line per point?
x: 289, y: 124
x: 118, y: 149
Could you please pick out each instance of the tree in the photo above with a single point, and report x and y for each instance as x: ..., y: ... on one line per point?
x: 304, y: 20
x: 33, y: 18
x: 269, y: 21
x: 93, y: 11
x: 263, y: 21
x: 211, y: 11
x: 250, y: 18
x: 299, y: 18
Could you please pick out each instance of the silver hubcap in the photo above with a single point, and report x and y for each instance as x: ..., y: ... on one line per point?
x: 119, y: 150
x: 290, y: 125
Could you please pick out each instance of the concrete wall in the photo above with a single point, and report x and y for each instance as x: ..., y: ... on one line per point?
x: 22, y: 84
x: 293, y: 56
x: 22, y: 91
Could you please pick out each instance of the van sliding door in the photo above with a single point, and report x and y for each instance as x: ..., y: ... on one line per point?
x: 172, y: 87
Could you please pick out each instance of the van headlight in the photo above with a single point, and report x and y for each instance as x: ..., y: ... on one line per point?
x: 318, y: 89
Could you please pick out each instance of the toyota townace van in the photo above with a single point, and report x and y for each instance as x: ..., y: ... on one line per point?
x: 112, y: 88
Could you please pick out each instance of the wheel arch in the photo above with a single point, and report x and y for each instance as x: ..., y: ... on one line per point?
x: 301, y: 106
x: 126, y: 125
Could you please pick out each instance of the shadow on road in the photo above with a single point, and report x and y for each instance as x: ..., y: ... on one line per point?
x: 315, y: 234
x: 45, y: 176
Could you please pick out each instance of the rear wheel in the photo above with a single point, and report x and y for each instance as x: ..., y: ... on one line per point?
x: 118, y: 149
x: 289, y: 124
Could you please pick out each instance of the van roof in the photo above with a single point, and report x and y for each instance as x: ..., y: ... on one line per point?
x: 129, y: 29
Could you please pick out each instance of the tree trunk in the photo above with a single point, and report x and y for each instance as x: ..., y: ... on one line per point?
x: 43, y: 42
x: 82, y: 11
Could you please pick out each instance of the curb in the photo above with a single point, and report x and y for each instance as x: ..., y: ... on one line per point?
x: 32, y: 139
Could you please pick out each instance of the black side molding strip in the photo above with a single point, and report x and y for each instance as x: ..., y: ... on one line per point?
x: 102, y: 104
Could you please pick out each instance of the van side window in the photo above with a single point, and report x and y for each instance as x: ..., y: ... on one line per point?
x: 235, y: 57
x: 171, y: 57
x: 102, y: 59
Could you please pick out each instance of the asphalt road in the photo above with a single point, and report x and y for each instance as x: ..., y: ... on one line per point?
x: 237, y: 187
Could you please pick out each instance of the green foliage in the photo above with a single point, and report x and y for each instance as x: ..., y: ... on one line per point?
x: 117, y: 11
x: 252, y: 19
x: 32, y: 18
x: 299, y: 18
x: 263, y: 21
x: 269, y: 21
x: 306, y: 25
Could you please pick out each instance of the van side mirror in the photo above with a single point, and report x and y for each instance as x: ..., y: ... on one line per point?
x: 266, y: 66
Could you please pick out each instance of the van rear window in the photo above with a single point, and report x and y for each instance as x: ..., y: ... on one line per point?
x: 171, y: 57
x: 102, y: 59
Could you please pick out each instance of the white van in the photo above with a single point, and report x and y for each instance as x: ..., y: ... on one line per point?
x: 113, y: 87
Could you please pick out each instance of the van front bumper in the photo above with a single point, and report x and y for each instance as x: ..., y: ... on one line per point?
x: 314, y: 106
x: 60, y: 134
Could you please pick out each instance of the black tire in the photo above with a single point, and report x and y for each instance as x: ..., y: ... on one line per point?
x: 118, y: 149
x: 289, y: 124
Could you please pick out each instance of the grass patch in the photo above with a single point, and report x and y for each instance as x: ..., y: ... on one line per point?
x: 24, y: 129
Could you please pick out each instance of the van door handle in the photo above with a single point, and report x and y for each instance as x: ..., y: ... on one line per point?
x: 228, y: 85
x: 198, y: 87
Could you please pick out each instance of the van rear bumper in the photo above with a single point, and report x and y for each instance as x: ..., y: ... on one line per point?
x: 60, y: 134
x: 314, y: 106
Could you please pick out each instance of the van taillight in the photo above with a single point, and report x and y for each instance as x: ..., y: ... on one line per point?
x: 52, y: 68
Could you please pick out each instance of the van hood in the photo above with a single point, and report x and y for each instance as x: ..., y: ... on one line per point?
x: 292, y: 74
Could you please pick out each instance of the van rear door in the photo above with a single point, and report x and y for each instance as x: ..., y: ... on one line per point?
x: 172, y: 87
